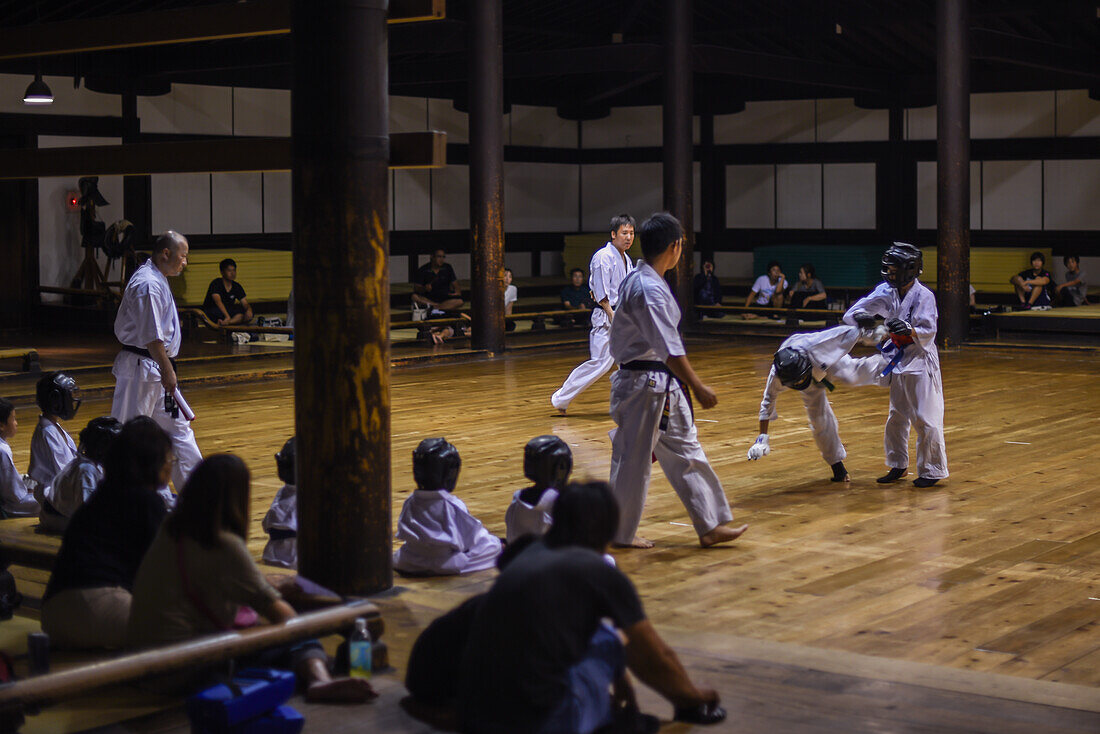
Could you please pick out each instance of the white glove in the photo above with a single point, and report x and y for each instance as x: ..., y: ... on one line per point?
x: 760, y: 448
x: 874, y: 337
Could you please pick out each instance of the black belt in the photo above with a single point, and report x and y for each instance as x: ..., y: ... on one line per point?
x: 648, y: 365
x: 145, y: 353
x: 282, y: 534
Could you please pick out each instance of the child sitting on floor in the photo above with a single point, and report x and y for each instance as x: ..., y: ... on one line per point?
x: 281, y: 520
x: 441, y: 536
x: 15, y: 499
x: 76, y: 482
x: 547, y: 462
x: 52, y: 448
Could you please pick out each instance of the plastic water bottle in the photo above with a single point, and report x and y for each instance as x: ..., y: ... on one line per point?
x: 359, y: 651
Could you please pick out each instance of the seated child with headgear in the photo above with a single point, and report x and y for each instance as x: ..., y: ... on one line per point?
x: 78, y: 480
x: 16, y: 499
x: 547, y: 462
x: 281, y: 520
x: 441, y: 536
x: 52, y: 448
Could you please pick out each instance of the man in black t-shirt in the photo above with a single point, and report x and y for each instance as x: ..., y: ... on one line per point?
x: 225, y: 302
x: 576, y: 297
x: 539, y: 658
x: 1034, y: 287
x: 435, y: 284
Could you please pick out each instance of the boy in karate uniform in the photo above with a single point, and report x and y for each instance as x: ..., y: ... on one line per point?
x: 547, y: 462
x: 811, y: 363
x: 52, y: 448
x: 649, y: 398
x: 281, y: 520
x: 16, y: 499
x: 916, y: 392
x: 78, y: 480
x: 441, y: 536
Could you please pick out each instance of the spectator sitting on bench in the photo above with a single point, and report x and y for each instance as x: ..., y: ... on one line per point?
x: 1033, y: 286
x: 87, y: 600
x: 198, y: 578
x: 708, y: 291
x: 769, y: 289
x: 808, y: 292
x: 576, y: 297
x: 225, y: 302
x: 435, y: 286
x: 511, y: 295
x: 1074, y: 291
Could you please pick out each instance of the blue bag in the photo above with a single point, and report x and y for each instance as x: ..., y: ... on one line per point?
x: 222, y: 708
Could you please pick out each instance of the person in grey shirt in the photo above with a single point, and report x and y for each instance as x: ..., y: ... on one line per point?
x: 808, y: 292
x: 1074, y: 292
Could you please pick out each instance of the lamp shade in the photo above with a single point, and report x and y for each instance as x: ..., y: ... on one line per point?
x: 38, y: 92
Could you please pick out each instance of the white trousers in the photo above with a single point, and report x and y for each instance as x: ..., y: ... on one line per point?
x: 134, y: 397
x: 847, y: 371
x: 585, y: 375
x: 637, y: 403
x: 916, y: 398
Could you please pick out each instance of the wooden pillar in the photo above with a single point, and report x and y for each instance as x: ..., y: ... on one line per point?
x: 953, y: 169
x: 487, y: 175
x: 712, y: 175
x: 339, y: 125
x: 677, y: 133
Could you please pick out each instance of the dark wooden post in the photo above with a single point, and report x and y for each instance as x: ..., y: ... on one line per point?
x: 339, y: 122
x: 953, y: 169
x: 487, y: 175
x: 136, y: 198
x: 677, y: 134
x: 712, y: 199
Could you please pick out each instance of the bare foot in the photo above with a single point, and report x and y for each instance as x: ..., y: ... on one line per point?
x: 638, y: 542
x: 340, y: 690
x: 722, y: 534
x: 561, y: 411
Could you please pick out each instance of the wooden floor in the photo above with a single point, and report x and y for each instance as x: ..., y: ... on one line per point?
x: 993, y: 573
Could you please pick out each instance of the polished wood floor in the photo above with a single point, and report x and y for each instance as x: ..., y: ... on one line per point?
x: 994, y: 571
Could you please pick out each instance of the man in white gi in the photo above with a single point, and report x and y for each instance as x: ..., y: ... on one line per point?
x: 148, y: 326
x: 916, y: 392
x: 650, y: 402
x: 607, y: 269
x: 812, y: 363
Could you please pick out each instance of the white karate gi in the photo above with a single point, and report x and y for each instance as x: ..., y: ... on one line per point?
x: 148, y: 313
x: 52, y: 448
x: 523, y: 519
x: 645, y: 328
x: 282, y: 515
x: 15, y: 499
x: 916, y: 391
x: 71, y: 488
x: 828, y: 352
x: 442, y: 537
x: 607, y: 270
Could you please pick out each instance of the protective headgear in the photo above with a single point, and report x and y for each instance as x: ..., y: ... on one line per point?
x: 97, y: 437
x: 284, y: 460
x: 57, y: 394
x: 436, y: 464
x: 908, y: 263
x: 547, y: 461
x: 793, y: 368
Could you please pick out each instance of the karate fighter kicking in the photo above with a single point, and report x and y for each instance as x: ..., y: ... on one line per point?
x: 650, y: 402
x: 148, y: 327
x: 813, y: 363
x: 916, y: 392
x: 607, y: 269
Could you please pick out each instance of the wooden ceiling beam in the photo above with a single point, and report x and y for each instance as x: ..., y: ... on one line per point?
x: 222, y: 155
x: 187, y: 25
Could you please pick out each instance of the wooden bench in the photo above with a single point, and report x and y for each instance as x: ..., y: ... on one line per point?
x: 991, y: 268
x: 265, y: 275
x: 831, y: 318
x: 28, y: 358
x: 27, y: 695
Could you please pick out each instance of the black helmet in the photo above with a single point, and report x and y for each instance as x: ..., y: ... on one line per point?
x: 547, y: 461
x: 57, y: 394
x: 793, y: 368
x: 436, y: 464
x: 97, y: 437
x: 907, y: 261
x: 284, y: 461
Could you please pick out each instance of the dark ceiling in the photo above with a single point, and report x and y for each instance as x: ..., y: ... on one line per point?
x: 584, y: 56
